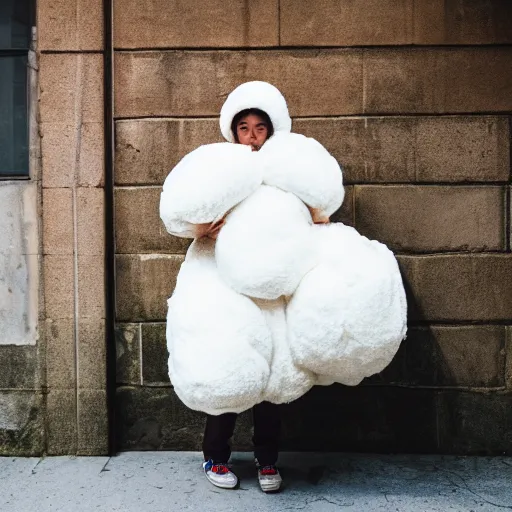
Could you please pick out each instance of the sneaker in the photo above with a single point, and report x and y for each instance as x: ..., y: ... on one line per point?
x: 269, y: 478
x: 220, y: 475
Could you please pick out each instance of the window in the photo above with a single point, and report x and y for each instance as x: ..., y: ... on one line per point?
x: 16, y: 21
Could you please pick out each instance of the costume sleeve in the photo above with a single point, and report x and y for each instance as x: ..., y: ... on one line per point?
x: 205, y: 185
x: 301, y: 165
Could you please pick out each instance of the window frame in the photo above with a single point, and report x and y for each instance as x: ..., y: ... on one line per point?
x: 31, y: 97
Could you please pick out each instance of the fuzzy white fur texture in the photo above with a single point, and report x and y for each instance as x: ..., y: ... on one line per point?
x: 261, y: 95
x: 276, y: 304
x: 302, y: 166
x: 348, y: 316
x: 220, y: 347
x: 224, y: 173
x: 263, y: 249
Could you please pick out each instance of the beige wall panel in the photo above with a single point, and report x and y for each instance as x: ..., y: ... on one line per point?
x: 201, y: 23
x: 71, y: 88
x: 434, y: 80
x: 432, y: 218
x: 90, y: 221
x: 143, y: 285
x: 60, y: 354
x: 71, y: 111
x: 336, y: 23
x: 469, y: 148
x: 58, y: 279
x: 462, y: 22
x: 72, y: 152
x: 388, y: 22
x: 186, y: 83
x: 147, y: 149
x: 58, y: 221
x: 138, y: 225
x: 459, y: 287
x: 415, y: 149
x: 70, y: 25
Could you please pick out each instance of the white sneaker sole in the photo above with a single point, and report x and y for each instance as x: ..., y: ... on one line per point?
x: 270, y: 486
x: 222, y: 486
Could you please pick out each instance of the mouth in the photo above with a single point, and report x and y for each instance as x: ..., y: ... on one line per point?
x: 255, y: 147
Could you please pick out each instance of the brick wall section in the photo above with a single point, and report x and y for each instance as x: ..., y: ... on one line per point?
x: 71, y: 126
x: 423, y: 134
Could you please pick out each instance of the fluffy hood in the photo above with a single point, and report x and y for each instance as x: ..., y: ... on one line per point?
x: 260, y: 95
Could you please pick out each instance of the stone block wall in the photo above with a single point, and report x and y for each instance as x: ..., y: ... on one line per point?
x: 414, y: 100
x: 72, y: 322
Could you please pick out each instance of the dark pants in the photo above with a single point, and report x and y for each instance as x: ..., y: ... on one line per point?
x: 267, y: 428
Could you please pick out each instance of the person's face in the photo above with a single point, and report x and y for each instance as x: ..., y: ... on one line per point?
x: 252, y: 131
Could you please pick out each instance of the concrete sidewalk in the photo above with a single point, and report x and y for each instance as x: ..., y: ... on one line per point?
x: 173, y: 481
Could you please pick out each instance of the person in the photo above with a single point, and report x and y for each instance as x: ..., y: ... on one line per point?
x: 276, y: 304
x: 251, y: 127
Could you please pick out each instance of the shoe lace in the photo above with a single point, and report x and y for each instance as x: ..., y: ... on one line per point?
x: 220, y: 469
x: 268, y: 470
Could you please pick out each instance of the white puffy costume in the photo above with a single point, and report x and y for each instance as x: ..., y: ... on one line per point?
x: 276, y: 304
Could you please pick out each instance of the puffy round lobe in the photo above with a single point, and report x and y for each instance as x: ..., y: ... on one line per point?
x: 219, y: 344
x: 264, y: 248
x: 348, y: 316
x: 301, y: 165
x: 287, y: 381
x: 261, y: 95
x: 206, y: 184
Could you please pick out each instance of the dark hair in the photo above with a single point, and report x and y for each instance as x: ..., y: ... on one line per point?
x: 257, y: 112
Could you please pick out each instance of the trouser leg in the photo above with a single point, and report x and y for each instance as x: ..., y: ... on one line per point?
x: 217, y: 433
x: 267, y: 431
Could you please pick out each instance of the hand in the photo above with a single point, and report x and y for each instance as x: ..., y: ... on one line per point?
x: 215, y: 227
x: 317, y: 216
x: 209, y: 229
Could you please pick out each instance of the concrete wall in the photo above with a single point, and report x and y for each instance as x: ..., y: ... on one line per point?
x: 71, y: 125
x: 413, y: 98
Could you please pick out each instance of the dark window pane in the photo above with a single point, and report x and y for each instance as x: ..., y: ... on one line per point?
x: 13, y: 116
x: 15, y: 23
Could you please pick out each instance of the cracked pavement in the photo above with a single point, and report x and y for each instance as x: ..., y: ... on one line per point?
x: 317, y: 482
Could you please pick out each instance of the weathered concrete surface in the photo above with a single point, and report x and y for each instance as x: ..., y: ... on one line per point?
x: 73, y: 25
x: 71, y: 119
x: 144, y: 283
x: 458, y: 287
x: 395, y: 22
x: 388, y: 149
x: 19, y: 272
x: 202, y: 23
x: 159, y: 482
x: 366, y: 418
x: 469, y: 356
x: 432, y: 218
x: 21, y: 423
x: 354, y: 81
